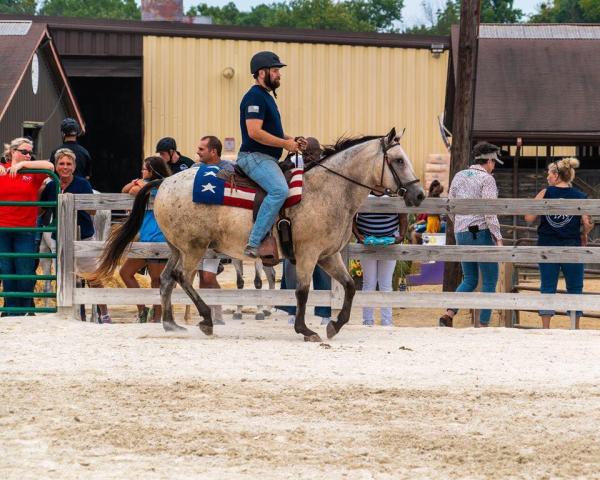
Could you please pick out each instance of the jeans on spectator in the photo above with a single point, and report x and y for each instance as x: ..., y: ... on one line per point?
x: 489, y: 270
x: 573, y: 273
x: 377, y: 272
x: 17, y: 242
x: 263, y: 169
x: 321, y: 281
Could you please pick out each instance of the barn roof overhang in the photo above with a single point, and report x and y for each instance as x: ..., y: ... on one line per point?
x: 19, y: 41
x: 535, y: 82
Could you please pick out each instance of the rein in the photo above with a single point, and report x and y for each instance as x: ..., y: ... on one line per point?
x: 377, y: 189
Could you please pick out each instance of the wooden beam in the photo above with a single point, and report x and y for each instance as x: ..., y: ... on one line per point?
x: 513, y: 301
x: 65, y: 255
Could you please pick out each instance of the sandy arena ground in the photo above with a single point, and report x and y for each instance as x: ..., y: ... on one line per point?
x: 81, y: 400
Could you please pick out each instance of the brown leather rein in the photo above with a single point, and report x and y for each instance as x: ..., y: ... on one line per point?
x: 380, y: 189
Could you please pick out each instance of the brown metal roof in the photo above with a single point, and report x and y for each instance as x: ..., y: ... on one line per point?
x: 127, y: 29
x: 16, y: 53
x: 541, y: 88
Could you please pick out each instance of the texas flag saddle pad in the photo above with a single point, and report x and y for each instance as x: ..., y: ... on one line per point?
x: 214, y: 186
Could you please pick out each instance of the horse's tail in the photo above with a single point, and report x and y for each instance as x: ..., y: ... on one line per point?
x: 123, y: 235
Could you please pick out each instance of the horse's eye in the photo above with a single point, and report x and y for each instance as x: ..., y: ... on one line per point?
x: 400, y: 160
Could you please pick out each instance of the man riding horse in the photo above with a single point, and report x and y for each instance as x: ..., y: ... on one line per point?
x: 263, y: 141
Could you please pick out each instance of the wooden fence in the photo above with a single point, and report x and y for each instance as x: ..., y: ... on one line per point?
x: 68, y: 295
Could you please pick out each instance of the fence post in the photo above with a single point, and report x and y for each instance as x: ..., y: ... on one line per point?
x: 65, y: 254
x: 506, y: 286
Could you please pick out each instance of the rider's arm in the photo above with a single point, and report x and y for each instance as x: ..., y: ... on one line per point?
x: 258, y: 134
x: 533, y: 218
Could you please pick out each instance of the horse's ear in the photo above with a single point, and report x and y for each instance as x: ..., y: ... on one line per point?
x: 389, y: 138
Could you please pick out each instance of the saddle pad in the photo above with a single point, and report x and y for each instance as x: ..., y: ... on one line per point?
x: 212, y: 190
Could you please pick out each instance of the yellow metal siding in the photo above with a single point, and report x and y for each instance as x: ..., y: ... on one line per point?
x: 327, y: 91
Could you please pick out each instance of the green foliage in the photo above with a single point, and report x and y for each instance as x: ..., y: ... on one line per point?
x: 567, y: 11
x: 439, y: 22
x: 349, y: 15
x: 18, y: 6
x: 113, y: 9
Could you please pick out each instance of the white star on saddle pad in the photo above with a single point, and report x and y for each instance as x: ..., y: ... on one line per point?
x: 210, y: 174
x: 209, y: 186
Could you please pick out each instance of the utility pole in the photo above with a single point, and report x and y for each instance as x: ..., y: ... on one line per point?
x: 462, y: 117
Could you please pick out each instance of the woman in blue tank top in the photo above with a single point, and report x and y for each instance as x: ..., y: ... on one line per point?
x: 561, y: 230
x: 153, y: 168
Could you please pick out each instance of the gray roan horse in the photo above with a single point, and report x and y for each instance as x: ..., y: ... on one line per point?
x: 334, y: 189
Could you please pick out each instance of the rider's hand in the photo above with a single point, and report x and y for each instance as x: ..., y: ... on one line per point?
x: 302, y: 143
x: 499, y: 243
x: 291, y: 145
x: 584, y: 239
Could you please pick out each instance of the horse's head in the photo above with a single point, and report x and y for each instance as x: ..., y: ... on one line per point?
x: 398, y: 175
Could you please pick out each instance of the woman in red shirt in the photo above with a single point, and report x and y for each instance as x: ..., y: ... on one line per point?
x: 15, y: 186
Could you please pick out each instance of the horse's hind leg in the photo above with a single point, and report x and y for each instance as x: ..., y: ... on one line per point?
x: 184, y: 274
x: 270, y: 274
x: 304, y: 271
x: 334, y: 266
x: 167, y: 283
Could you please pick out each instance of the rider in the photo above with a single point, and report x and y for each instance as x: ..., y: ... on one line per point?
x: 70, y: 130
x: 263, y: 142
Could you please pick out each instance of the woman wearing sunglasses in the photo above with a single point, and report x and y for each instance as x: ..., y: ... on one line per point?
x: 19, y: 187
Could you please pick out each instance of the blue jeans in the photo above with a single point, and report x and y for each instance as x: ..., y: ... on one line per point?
x: 573, y: 273
x: 321, y: 281
x: 17, y: 242
x: 264, y: 170
x: 489, y: 271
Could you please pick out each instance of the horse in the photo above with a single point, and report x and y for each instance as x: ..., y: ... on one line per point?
x: 334, y: 189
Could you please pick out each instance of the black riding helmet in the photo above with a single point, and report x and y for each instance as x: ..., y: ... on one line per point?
x: 69, y: 126
x: 166, y: 144
x: 264, y: 60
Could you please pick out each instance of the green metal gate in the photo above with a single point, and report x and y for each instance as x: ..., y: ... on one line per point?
x: 53, y: 227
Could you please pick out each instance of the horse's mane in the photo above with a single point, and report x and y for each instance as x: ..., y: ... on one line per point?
x: 342, y: 143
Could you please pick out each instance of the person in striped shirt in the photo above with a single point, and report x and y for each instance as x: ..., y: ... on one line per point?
x: 378, y: 225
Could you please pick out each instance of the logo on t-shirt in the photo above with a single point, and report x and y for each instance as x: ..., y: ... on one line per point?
x: 253, y: 109
x: 558, y: 221
x: 183, y: 167
x: 26, y: 178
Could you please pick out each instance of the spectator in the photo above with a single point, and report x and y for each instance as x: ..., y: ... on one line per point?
x: 22, y: 187
x: 153, y: 168
x: 562, y: 231
x: 70, y: 130
x: 378, y: 272
x: 209, y: 152
x: 476, y: 182
x: 427, y: 223
x: 167, y: 150
x: 321, y: 281
x: 65, y: 162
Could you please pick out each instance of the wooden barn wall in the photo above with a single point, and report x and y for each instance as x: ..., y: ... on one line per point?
x: 44, y: 106
x: 327, y: 91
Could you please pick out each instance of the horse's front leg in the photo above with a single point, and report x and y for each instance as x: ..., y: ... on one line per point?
x: 335, y: 267
x: 303, y: 276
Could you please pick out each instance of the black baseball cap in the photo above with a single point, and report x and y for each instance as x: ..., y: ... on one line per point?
x: 166, y: 144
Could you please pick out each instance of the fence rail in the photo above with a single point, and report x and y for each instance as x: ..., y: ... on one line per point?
x: 68, y: 294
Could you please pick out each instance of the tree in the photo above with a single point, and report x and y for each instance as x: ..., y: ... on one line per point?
x: 439, y: 22
x: 349, y: 15
x: 114, y: 9
x: 18, y: 6
x: 567, y: 11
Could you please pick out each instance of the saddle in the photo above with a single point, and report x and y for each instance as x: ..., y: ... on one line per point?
x: 268, y: 250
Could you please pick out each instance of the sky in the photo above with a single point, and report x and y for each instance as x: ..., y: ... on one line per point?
x: 412, y: 12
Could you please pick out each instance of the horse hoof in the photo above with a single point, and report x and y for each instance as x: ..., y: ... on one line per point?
x: 266, y: 313
x: 173, y: 327
x: 259, y: 316
x: 331, y: 331
x: 313, y: 338
x: 206, y: 329
x: 237, y: 316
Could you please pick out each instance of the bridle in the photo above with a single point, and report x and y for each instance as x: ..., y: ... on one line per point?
x: 380, y: 189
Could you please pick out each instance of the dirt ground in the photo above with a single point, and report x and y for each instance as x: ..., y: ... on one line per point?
x: 82, y: 400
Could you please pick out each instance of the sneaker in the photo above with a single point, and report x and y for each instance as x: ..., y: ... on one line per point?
x: 105, y: 318
x: 291, y: 320
x: 368, y: 323
x: 142, y: 316
x: 325, y: 320
x: 445, y: 321
x: 251, y: 251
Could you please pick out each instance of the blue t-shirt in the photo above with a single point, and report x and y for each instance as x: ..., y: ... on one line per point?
x: 560, y: 230
x: 78, y: 185
x: 258, y: 103
x: 149, y: 232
